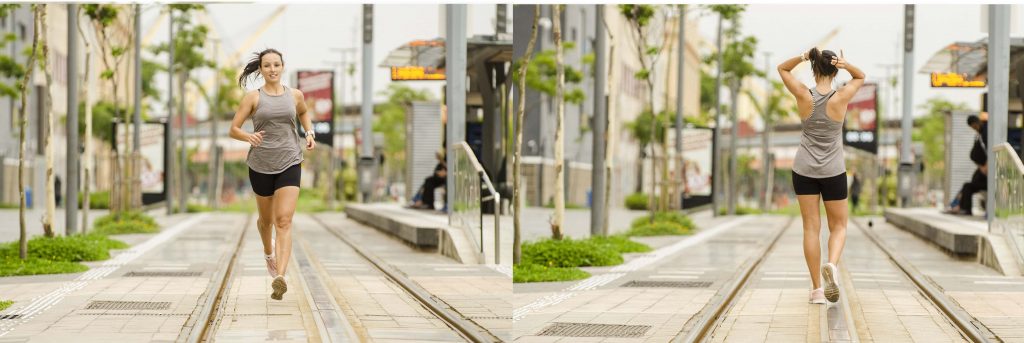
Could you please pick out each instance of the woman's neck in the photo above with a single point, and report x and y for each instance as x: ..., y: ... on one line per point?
x: 273, y: 88
x: 823, y: 84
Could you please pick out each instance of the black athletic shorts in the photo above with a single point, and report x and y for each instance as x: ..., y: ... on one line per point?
x: 265, y: 184
x: 830, y: 188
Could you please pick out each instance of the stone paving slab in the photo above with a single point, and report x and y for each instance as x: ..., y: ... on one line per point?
x: 997, y: 301
x: 379, y: 309
x: 665, y: 310
x: 107, y: 282
x: 888, y: 306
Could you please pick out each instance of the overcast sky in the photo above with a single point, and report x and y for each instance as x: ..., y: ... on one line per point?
x: 868, y: 34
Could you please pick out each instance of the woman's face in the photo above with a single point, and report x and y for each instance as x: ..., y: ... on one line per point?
x: 271, y: 67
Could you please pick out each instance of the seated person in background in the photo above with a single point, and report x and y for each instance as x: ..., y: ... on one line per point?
x: 979, y: 181
x: 424, y: 198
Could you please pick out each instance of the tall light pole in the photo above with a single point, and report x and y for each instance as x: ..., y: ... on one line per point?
x: 998, y: 93
x: 70, y: 202
x: 907, y: 124
x: 455, y: 89
x: 367, y: 162
x: 597, y: 193
x: 680, y: 73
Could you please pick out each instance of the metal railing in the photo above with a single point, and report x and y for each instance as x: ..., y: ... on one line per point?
x: 1009, y: 197
x: 471, y: 189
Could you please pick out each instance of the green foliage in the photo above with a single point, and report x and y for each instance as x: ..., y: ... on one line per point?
x: 97, y: 200
x: 75, y: 248
x: 101, y: 14
x: 535, y: 273
x: 619, y: 243
x: 658, y: 229
x: 640, y: 14
x: 568, y: 253
x: 676, y: 218
x: 125, y: 223
x: 542, y: 74
x: 776, y: 97
x: 348, y: 181
x: 637, y: 201
x: 391, y: 121
x: 728, y: 12
x: 103, y: 114
x: 243, y: 206
x: 149, y: 70
x: 36, y: 266
x: 9, y: 67
x: 743, y: 210
x: 4, y: 304
x: 196, y: 208
x: 6, y: 9
x: 930, y: 130
x: 640, y: 128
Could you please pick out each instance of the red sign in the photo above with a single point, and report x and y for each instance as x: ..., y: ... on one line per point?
x: 318, y: 89
x: 861, y: 128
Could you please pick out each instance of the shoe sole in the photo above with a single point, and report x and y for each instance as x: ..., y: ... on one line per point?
x: 831, y: 289
x: 819, y: 302
x: 279, y: 288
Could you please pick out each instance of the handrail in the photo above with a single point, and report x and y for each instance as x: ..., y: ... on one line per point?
x: 474, y: 185
x: 1008, y: 209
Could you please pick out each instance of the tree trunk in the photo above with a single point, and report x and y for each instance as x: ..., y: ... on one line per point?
x: 23, y: 235
x: 733, y: 183
x: 518, y: 146
x: 47, y: 109
x: 88, y: 165
x: 556, y: 226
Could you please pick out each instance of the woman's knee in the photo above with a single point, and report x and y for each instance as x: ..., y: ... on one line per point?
x: 264, y: 222
x: 283, y: 222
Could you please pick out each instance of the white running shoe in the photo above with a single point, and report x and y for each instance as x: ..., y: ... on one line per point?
x: 830, y: 275
x: 817, y: 296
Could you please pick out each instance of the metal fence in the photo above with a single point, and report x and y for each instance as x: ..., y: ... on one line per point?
x: 1009, y: 196
x: 471, y: 189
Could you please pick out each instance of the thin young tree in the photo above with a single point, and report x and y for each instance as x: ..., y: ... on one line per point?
x: 102, y: 17
x: 87, y: 165
x: 50, y: 199
x: 556, y: 224
x: 23, y: 87
x: 518, y: 146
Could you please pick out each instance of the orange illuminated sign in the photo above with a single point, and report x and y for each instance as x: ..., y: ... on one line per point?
x: 416, y: 73
x: 954, y: 80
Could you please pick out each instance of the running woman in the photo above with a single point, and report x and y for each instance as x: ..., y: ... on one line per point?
x: 819, y: 169
x: 275, y: 156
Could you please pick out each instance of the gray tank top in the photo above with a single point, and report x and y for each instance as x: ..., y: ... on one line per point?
x: 282, y: 146
x: 821, y: 145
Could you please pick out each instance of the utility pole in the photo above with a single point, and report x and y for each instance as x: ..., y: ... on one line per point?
x: 136, y: 188
x: 168, y: 134
x: 767, y: 156
x: 455, y: 89
x: 333, y: 160
x: 906, y: 170
x: 70, y: 202
x: 680, y: 73
x: 367, y: 162
x: 998, y: 94
x: 716, y: 167
x: 597, y: 176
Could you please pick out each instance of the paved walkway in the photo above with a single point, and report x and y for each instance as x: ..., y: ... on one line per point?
x: 676, y: 281
x: 995, y: 300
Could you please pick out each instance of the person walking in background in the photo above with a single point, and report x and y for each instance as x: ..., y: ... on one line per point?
x: 819, y: 169
x: 275, y: 156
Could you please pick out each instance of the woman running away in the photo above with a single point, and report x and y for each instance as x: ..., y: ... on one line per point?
x: 274, y: 158
x: 819, y: 169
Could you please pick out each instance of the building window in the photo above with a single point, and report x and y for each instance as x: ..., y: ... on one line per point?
x: 21, y: 31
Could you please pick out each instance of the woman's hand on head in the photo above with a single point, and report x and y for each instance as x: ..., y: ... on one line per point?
x: 839, y: 61
x: 310, y: 143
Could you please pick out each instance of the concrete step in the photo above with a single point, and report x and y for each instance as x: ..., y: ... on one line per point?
x: 964, y: 237
x: 427, y: 230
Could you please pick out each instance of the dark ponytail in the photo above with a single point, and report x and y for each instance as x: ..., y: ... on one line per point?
x: 253, y: 67
x: 821, y: 63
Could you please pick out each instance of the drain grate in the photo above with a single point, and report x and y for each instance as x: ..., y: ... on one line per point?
x: 667, y: 284
x: 594, y: 330
x: 490, y: 317
x: 10, y: 316
x: 128, y: 305
x: 162, y: 274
